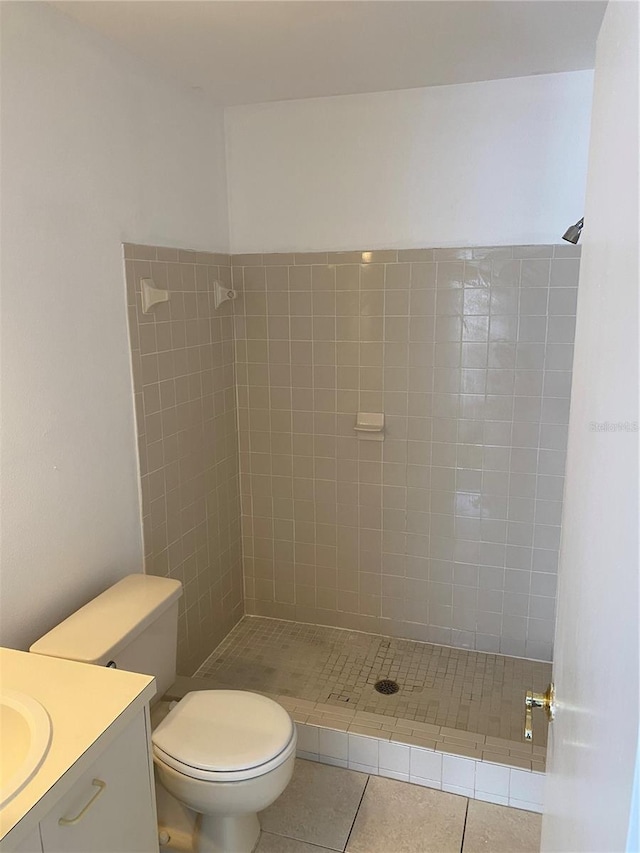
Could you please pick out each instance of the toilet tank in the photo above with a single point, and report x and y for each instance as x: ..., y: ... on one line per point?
x: 133, y: 624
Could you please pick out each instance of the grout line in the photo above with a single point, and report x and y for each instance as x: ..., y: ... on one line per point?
x: 355, y: 817
x: 464, y: 826
x: 293, y: 838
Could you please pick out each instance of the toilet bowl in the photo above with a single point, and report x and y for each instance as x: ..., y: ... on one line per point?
x: 225, y: 754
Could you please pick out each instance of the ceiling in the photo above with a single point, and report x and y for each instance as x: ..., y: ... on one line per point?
x: 249, y: 51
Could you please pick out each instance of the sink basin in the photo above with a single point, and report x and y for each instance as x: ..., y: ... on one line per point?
x: 25, y: 728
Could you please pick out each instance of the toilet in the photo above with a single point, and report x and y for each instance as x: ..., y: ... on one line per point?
x: 224, y: 754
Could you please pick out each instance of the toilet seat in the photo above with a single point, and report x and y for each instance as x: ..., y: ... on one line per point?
x: 224, y: 736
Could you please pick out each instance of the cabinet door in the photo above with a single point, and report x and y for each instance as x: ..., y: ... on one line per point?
x: 31, y: 844
x: 111, y: 807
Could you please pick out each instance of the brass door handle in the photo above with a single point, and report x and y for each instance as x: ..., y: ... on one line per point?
x: 546, y: 700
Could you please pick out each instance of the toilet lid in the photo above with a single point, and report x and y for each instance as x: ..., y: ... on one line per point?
x: 224, y: 730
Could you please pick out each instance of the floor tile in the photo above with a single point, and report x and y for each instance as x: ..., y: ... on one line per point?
x: 270, y: 843
x: 439, y: 686
x: 319, y: 805
x: 496, y: 829
x: 402, y: 818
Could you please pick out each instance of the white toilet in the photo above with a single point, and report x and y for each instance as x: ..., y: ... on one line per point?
x: 225, y: 754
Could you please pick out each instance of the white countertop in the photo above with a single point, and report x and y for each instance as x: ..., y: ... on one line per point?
x: 82, y: 701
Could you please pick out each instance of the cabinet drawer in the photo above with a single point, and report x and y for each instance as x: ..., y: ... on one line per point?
x: 111, y: 807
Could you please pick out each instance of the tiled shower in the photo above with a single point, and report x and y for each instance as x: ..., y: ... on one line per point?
x: 256, y: 491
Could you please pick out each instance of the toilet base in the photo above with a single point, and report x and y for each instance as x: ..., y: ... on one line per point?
x: 227, y: 812
x: 227, y: 833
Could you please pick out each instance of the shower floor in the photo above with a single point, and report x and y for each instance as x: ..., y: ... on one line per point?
x: 455, y: 688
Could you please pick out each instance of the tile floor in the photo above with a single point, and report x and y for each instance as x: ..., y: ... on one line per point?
x: 330, y: 809
x: 460, y: 689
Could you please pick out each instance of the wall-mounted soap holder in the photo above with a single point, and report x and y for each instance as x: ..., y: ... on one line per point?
x: 222, y: 294
x: 152, y: 295
x: 370, y: 425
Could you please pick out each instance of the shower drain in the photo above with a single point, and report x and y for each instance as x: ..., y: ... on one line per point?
x: 387, y: 686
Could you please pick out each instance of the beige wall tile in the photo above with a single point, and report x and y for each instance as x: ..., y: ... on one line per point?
x: 430, y: 337
x: 184, y: 383
x: 467, y: 502
x: 303, y: 258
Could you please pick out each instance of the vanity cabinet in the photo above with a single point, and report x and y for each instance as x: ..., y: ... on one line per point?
x: 94, y: 791
x: 31, y: 844
x: 111, y: 807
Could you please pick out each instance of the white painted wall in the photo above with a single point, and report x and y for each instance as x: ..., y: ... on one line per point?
x: 594, y: 738
x: 475, y: 164
x: 95, y: 151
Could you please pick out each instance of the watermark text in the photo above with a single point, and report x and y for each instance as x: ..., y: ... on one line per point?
x: 613, y: 426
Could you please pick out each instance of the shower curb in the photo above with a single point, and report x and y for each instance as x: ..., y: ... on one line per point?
x: 480, y: 767
x: 507, y: 774
x: 484, y: 780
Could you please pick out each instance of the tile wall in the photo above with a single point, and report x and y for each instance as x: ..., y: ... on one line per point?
x: 449, y: 530
x: 185, y: 397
